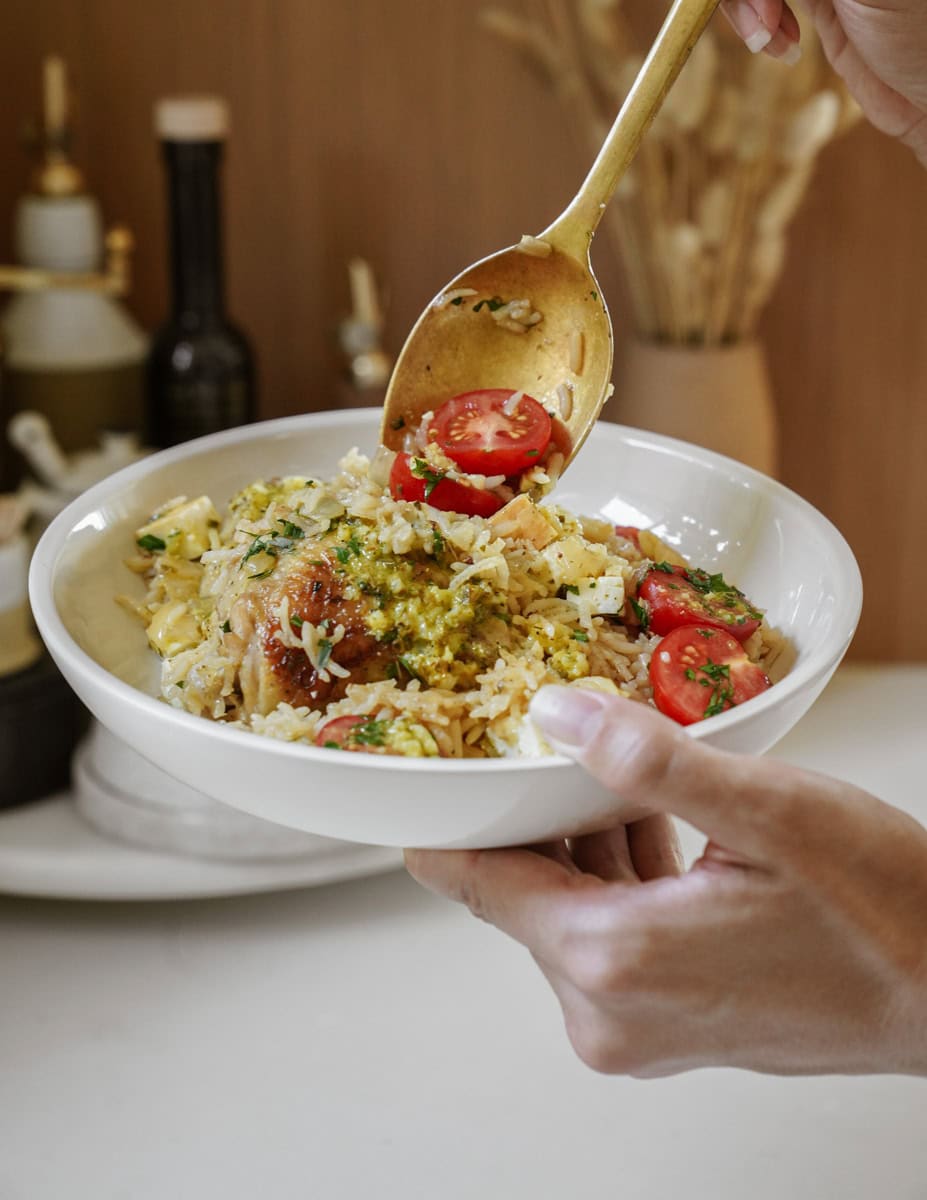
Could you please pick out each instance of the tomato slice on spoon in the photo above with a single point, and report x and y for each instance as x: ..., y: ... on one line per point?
x: 670, y: 596
x: 413, y: 478
x: 698, y: 671
x: 494, y: 431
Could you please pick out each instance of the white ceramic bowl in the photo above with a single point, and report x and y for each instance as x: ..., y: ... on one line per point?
x: 786, y: 556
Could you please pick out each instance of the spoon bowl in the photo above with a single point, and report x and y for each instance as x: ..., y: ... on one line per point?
x: 458, y: 344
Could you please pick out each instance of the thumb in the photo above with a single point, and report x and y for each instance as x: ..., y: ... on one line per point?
x: 652, y: 765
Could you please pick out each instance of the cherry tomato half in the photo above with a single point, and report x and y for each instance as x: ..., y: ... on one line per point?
x: 413, y: 479
x: 698, y: 671
x: 475, y: 430
x: 671, y: 596
x: 352, y: 733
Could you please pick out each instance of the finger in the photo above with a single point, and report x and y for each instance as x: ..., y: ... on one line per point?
x: 526, y: 895
x: 756, y: 21
x: 605, y: 855
x: 557, y: 852
x: 654, y: 848
x: 652, y: 765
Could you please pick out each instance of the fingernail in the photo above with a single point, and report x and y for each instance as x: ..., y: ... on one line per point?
x: 745, y: 20
x: 568, y: 715
x: 792, y: 55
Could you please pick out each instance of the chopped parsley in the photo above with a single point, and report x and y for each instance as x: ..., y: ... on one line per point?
x: 721, y: 698
x: 325, y: 652
x: 342, y: 553
x: 332, y: 745
x: 532, y: 453
x: 719, y: 680
x: 665, y: 567
x: 580, y: 635
x: 259, y: 546
x: 457, y: 301
x: 371, y: 733
x: 716, y: 671
x: 148, y: 541
x: 296, y: 621
x: 226, y: 627
x: 643, y: 616
x: 690, y: 674
x: 705, y: 633
x: 572, y: 588
x: 437, y: 542
x: 432, y: 478
x: 404, y: 662
x: 493, y: 305
x: 294, y: 532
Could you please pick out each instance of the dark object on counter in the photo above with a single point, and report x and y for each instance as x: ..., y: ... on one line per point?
x: 41, y: 722
x: 201, y: 368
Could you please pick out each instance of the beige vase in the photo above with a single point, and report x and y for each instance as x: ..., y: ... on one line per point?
x: 718, y: 397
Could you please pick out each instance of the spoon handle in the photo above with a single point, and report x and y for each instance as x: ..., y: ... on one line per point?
x: 573, y: 229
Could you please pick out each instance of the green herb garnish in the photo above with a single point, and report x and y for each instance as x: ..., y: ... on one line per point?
x: 290, y: 530
x: 325, y: 652
x: 371, y: 733
x: 411, y: 670
x: 532, y: 453
x: 332, y: 745
x: 571, y: 587
x: 226, y: 627
x: 432, y: 478
x: 579, y: 635
x: 493, y: 305
x: 296, y: 621
x: 258, y: 546
x: 721, y: 698
x: 148, y: 541
x: 665, y: 567
x: 437, y: 543
x: 643, y: 616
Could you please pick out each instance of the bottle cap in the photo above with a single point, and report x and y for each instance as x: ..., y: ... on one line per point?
x: 191, y: 119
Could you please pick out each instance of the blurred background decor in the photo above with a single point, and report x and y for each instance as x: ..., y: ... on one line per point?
x: 700, y: 218
x: 409, y: 135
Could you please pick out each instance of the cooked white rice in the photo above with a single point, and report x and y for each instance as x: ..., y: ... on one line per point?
x: 480, y: 613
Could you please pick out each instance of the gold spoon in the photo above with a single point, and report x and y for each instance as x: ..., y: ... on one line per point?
x: 459, y: 344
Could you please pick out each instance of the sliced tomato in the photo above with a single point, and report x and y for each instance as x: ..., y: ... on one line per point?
x: 482, y: 437
x: 698, y: 671
x: 361, y: 734
x: 669, y: 596
x: 412, y: 478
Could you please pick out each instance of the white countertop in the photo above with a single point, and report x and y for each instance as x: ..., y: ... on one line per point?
x: 367, y: 1040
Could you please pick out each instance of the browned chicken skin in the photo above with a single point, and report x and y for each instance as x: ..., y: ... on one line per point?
x: 272, y: 672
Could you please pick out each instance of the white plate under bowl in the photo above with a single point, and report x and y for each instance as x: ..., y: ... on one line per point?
x: 48, y: 851
x: 723, y: 516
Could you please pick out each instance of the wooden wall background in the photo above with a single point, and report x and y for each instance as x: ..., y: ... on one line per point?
x: 399, y: 130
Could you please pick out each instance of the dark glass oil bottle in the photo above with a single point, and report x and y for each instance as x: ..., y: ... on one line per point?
x: 201, y: 368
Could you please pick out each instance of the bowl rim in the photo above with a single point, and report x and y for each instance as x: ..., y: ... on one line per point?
x: 47, y: 554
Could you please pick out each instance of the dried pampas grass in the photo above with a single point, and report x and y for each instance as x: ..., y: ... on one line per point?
x: 701, y: 216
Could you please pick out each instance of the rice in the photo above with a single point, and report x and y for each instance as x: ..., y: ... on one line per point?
x: 438, y: 630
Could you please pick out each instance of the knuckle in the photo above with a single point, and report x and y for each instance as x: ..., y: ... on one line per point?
x: 604, y: 1048
x: 604, y: 955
